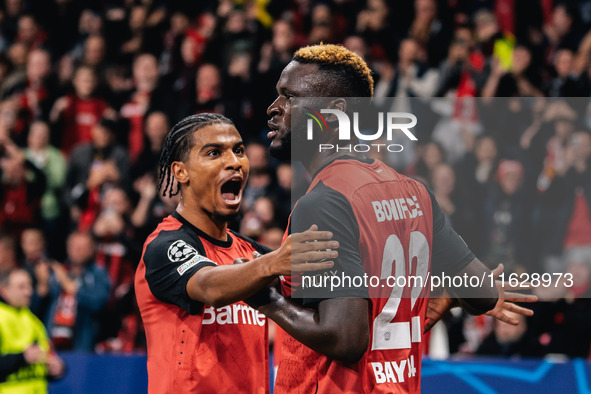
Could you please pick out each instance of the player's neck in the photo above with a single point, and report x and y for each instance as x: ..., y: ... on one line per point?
x: 321, y: 160
x: 216, y: 229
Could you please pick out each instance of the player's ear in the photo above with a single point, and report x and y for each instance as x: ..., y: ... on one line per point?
x: 179, y: 171
x: 340, y: 104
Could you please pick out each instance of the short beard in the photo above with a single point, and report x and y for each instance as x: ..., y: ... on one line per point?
x: 283, y: 151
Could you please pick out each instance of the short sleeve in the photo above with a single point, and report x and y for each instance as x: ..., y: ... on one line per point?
x: 450, y: 252
x: 171, y: 259
x: 330, y: 211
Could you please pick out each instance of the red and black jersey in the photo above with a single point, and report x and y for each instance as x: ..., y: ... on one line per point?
x: 193, y: 347
x: 134, y: 112
x: 388, y: 226
x: 79, y: 117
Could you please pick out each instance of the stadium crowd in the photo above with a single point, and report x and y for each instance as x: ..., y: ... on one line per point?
x: 89, y: 89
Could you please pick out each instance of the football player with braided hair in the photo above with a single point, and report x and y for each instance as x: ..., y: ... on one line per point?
x: 200, y: 336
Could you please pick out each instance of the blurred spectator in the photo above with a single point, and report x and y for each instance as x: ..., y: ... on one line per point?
x: 184, y: 74
x: 564, y: 325
x: 203, y: 33
x: 156, y: 127
x: 272, y: 237
x: 408, y: 78
x: 6, y: 68
x: 34, y: 93
x: 23, y: 186
x: 566, y: 83
x: 278, y: 51
x: 480, y: 167
x: 508, y: 340
x: 135, y: 39
x: 208, y: 86
x: 518, y: 80
x: 237, y: 88
x: 491, y: 40
x: 257, y: 156
x: 112, y: 233
x: 460, y: 76
x: 7, y: 253
x: 568, y: 202
x: 443, y: 181
x: 429, y: 156
x: 550, y: 142
x: 357, y: 45
x: 506, y: 219
x: 50, y: 160
x: 476, y: 177
x: 117, y: 253
x: 94, y: 52
x: 78, y: 292
x: 147, y: 96
x: 259, y: 210
x: 35, y: 262
x: 260, y: 181
x: 274, y: 55
x: 563, y: 29
x: 26, y: 357
x: 33, y: 247
x: 89, y: 24
x: 429, y: 31
x: 12, y: 10
x: 17, y: 54
x: 66, y: 67
x: 264, y: 208
x: 93, y: 167
x: 174, y: 37
x: 77, y: 113
x: 151, y: 207
x: 373, y: 24
x: 283, y: 197
x: 29, y: 32
x: 322, y: 29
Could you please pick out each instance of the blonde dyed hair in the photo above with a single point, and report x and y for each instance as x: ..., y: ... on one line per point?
x: 337, y: 58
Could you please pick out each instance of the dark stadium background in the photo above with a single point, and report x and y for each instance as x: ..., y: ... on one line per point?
x: 515, y: 194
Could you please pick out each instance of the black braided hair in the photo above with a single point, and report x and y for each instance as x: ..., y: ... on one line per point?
x: 178, y: 144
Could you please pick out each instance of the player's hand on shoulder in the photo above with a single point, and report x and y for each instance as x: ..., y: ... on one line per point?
x: 311, y: 250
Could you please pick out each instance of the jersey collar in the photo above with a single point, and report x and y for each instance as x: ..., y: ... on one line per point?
x: 363, y: 159
x: 202, y: 234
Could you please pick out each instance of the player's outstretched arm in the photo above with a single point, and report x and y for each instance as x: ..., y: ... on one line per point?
x: 338, y: 329
x: 480, y: 299
x: 443, y: 302
x: 508, y: 298
x: 225, y: 284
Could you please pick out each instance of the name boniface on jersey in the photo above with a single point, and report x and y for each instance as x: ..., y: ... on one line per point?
x: 233, y: 314
x: 397, y: 209
x: 394, y: 372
